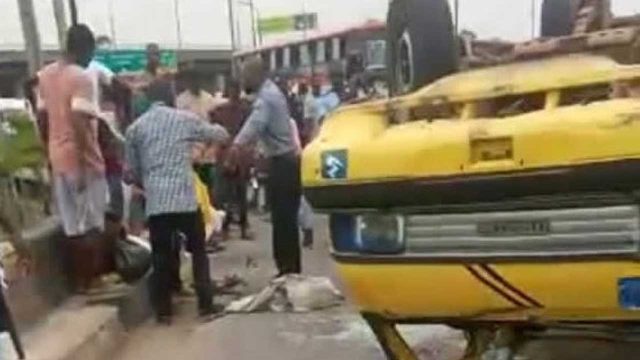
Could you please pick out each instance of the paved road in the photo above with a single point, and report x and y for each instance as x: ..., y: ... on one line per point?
x: 336, y: 334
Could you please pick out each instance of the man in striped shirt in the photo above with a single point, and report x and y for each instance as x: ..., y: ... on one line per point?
x: 158, y: 150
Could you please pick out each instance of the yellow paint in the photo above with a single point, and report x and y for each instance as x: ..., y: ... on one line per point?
x: 552, y: 137
x: 568, y: 291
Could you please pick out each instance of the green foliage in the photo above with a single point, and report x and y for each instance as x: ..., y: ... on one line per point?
x: 20, y: 145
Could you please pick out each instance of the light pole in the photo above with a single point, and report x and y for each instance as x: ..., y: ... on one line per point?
x: 533, y: 19
x: 60, y: 15
x: 456, y: 6
x: 31, y: 35
x: 254, y: 24
x: 304, y: 13
x: 112, y: 24
x: 73, y: 8
x: 232, y: 25
x: 176, y: 14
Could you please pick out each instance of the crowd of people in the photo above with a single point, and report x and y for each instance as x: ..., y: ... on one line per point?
x: 186, y: 160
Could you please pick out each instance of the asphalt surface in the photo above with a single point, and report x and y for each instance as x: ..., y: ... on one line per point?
x: 336, y: 334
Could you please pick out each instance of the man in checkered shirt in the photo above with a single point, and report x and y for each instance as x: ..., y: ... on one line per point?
x: 158, y: 151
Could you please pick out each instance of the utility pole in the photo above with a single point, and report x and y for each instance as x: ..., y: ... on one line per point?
x: 456, y: 5
x: 258, y: 28
x: 31, y: 35
x: 232, y: 25
x: 304, y: 13
x: 73, y: 8
x: 533, y: 18
x: 60, y: 15
x: 232, y: 32
x: 176, y: 11
x: 254, y: 24
x: 112, y: 25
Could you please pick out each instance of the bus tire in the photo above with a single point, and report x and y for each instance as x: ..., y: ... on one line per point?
x: 557, y: 17
x: 421, y: 45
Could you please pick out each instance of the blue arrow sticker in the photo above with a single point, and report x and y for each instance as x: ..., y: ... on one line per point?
x: 335, y: 164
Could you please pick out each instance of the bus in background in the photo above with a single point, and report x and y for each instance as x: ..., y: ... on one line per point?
x: 358, y: 51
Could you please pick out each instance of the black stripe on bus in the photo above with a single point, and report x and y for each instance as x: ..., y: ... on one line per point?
x: 501, y: 280
x: 495, y: 288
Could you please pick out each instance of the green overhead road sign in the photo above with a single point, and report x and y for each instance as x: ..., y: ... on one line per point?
x: 120, y: 61
x: 276, y: 24
x: 280, y: 24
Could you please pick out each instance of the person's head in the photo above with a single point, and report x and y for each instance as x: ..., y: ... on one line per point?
x: 192, y: 81
x: 626, y: 89
x: 303, y: 89
x: 197, y: 152
x: 253, y: 73
x: 161, y: 91
x: 282, y: 84
x: 81, y: 44
x: 153, y: 57
x: 337, y: 85
x: 316, y: 89
x: 233, y: 90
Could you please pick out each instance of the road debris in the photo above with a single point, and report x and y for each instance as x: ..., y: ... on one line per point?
x: 291, y: 293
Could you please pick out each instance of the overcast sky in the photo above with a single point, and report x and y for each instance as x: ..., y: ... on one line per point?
x: 204, y: 23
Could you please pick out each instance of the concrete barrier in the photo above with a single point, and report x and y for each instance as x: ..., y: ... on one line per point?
x: 43, y: 304
x: 46, y: 286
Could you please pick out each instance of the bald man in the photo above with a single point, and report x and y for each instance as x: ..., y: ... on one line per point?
x: 269, y: 122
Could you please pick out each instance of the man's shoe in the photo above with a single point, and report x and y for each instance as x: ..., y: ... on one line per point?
x: 214, y: 248
x: 307, y: 241
x: 212, y: 313
x: 165, y: 320
x: 247, y: 235
x: 185, y: 292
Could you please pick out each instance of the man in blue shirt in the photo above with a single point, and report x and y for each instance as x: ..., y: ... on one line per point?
x: 270, y: 123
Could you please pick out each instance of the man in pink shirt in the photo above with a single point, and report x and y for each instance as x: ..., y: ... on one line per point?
x: 77, y: 165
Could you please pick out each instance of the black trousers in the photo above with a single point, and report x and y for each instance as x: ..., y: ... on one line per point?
x: 284, y: 197
x: 163, y: 230
x: 236, y: 199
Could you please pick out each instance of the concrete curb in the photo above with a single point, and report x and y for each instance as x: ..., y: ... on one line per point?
x: 33, y: 297
x: 79, y: 331
x: 135, y: 307
x: 57, y: 327
x: 76, y: 332
x: 102, y: 343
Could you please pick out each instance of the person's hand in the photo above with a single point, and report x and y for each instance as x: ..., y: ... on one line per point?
x: 231, y: 164
x: 233, y: 157
x: 136, y: 192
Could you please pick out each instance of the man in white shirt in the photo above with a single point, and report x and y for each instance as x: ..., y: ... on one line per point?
x: 195, y: 99
x: 100, y: 76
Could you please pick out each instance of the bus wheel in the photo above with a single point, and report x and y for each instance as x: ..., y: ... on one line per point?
x: 389, y: 338
x: 557, y: 17
x: 421, y: 43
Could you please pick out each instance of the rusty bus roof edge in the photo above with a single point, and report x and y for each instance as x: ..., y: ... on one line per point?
x: 534, y: 76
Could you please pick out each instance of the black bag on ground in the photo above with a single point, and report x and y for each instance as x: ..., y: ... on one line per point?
x: 133, y: 258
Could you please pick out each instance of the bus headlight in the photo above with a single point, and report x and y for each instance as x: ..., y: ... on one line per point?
x: 380, y: 233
